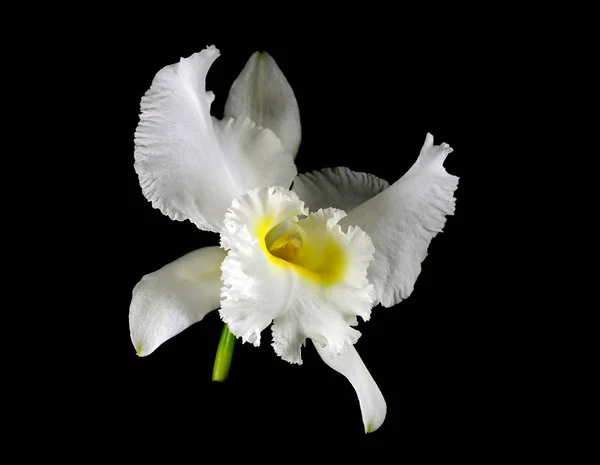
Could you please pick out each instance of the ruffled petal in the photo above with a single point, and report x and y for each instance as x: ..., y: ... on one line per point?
x: 338, y: 187
x: 372, y: 404
x: 190, y: 169
x: 403, y: 219
x: 262, y: 93
x: 295, y: 269
x: 178, y: 295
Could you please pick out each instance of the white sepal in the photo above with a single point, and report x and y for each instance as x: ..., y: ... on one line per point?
x: 262, y: 93
x: 166, y: 302
x: 372, y: 404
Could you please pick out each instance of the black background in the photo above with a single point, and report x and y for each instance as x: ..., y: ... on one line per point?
x: 439, y: 357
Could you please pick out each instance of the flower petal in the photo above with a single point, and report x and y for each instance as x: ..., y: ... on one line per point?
x: 262, y: 93
x: 191, y: 166
x: 179, y: 294
x: 255, y: 156
x: 318, y: 296
x: 372, y: 403
x: 403, y: 219
x: 338, y: 187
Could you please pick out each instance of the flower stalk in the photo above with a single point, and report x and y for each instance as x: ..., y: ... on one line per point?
x: 224, y: 354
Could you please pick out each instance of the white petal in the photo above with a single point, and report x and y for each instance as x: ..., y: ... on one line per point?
x: 262, y: 93
x: 255, y: 156
x: 319, y: 297
x: 372, y: 403
x: 338, y: 187
x: 179, y: 294
x: 403, y: 219
x: 190, y: 169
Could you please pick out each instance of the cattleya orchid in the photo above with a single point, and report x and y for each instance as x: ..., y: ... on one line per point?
x: 306, y: 261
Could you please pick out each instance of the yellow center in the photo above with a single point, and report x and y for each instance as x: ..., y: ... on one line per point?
x: 287, y: 247
x: 313, y: 253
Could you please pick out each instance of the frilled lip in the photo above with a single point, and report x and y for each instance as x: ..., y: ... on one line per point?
x: 299, y: 300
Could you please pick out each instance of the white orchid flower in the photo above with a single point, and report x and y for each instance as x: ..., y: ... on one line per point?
x: 306, y: 262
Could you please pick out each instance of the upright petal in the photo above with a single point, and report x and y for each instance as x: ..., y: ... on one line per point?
x: 338, y: 187
x: 262, y: 93
x: 304, y: 275
x: 178, y: 295
x: 190, y: 169
x: 403, y: 219
x: 372, y: 403
x: 254, y: 154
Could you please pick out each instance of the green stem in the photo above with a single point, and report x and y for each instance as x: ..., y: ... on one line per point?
x: 224, y: 354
